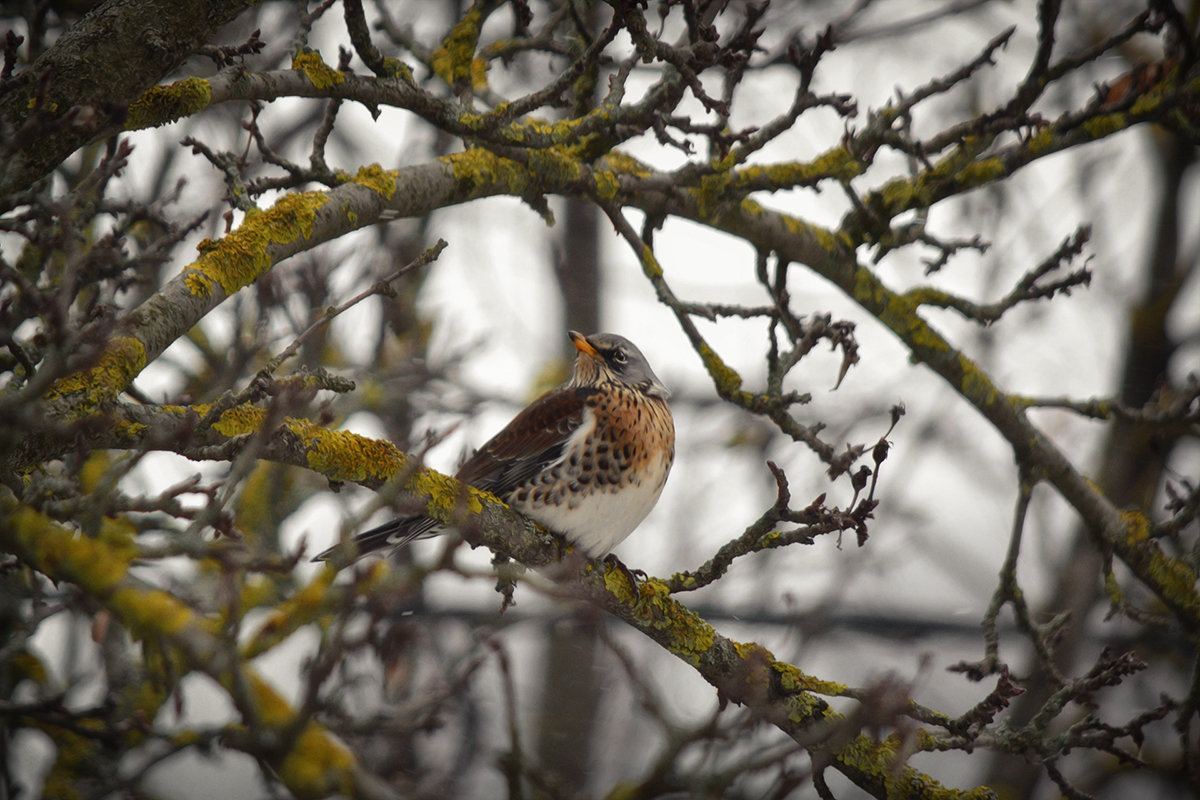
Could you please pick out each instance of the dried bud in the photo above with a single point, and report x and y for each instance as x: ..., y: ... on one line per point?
x: 859, y: 479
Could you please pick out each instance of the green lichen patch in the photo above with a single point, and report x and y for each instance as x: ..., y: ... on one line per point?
x: 839, y: 244
x: 901, y: 194
x: 555, y: 163
x: 273, y: 710
x: 867, y: 289
x: 123, y: 359
x: 346, y: 456
x: 318, y: 766
x: 302, y: 608
x: 1041, y: 141
x: 792, y: 679
x: 163, y: 104
x: 1172, y: 578
x: 99, y: 566
x: 725, y: 378
x: 241, y: 257
x: 319, y: 74
x: 650, y: 265
x: 975, y: 383
x: 150, y: 613
x: 236, y: 421
x: 1105, y: 125
x: 606, y: 183
x: 837, y: 163
x: 1137, y: 526
x: 683, y: 632
x: 625, y: 164
x: 453, y: 62
x: 479, y: 172
x: 479, y: 71
x: 879, y: 762
x: 977, y: 173
x: 398, y: 69
x: 377, y: 179
x: 560, y: 132
x: 338, y: 455
x: 59, y: 552
x: 447, y: 497
x: 711, y: 192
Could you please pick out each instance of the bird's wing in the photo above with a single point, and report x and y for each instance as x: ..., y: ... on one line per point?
x: 534, y: 440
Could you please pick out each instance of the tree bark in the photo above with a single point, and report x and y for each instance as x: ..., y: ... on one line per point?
x: 85, y: 82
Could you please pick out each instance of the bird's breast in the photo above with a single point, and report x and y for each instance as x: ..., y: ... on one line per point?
x: 610, y: 475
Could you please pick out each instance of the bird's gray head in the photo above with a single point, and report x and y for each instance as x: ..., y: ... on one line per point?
x: 609, y: 357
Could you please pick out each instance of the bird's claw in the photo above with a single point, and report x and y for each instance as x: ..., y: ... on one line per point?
x: 635, y: 576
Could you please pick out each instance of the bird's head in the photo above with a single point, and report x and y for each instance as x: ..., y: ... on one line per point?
x: 608, y: 358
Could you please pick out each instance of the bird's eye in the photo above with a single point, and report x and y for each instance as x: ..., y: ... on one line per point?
x: 619, y: 358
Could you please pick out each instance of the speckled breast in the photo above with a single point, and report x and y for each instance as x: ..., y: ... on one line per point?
x: 610, y: 475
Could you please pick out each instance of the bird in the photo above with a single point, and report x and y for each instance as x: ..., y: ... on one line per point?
x: 587, y: 460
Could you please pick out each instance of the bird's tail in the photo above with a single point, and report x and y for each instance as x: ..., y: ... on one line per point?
x: 394, y: 533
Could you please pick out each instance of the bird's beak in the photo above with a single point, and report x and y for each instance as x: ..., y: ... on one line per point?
x: 582, y: 344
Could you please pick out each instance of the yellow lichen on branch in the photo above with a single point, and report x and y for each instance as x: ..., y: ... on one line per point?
x: 312, y: 765
x: 680, y: 629
x: 95, y: 566
x: 346, y: 456
x: 747, y: 673
x: 118, y: 365
x: 455, y: 61
x: 242, y: 256
x: 377, y: 179
x: 163, y: 104
x: 725, y: 378
x: 319, y: 74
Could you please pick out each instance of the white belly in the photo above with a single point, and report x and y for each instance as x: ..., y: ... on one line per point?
x: 598, y: 522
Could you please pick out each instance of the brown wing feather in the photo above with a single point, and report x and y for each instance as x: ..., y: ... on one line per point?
x: 534, y: 439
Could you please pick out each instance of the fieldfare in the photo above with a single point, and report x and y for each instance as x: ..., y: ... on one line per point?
x: 587, y: 460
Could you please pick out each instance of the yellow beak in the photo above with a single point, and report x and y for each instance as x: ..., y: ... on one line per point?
x: 582, y: 344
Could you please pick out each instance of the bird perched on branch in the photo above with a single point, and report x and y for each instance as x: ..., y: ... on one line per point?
x: 587, y: 460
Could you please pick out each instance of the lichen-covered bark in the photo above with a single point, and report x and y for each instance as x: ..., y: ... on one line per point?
x: 310, y: 762
x: 95, y: 70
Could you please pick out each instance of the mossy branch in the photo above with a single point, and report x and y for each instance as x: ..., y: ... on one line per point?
x: 312, y: 765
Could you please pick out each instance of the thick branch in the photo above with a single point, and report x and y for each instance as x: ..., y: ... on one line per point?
x: 78, y: 91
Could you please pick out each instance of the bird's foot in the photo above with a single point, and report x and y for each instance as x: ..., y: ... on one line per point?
x: 635, y: 576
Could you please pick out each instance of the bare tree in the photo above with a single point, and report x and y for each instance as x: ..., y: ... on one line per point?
x: 122, y: 347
